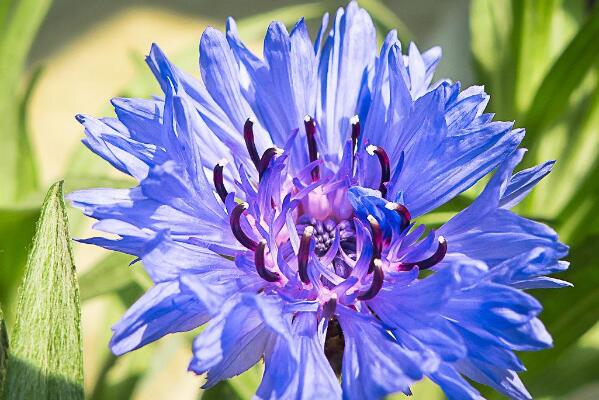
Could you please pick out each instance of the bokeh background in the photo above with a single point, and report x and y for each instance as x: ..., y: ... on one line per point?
x: 538, y: 59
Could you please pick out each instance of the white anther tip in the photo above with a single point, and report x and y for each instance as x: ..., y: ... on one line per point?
x: 391, y: 205
x: 370, y: 149
x: 442, y: 239
x: 354, y: 120
x: 223, y: 162
x: 307, y: 118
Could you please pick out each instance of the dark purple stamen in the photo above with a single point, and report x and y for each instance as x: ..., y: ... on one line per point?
x: 328, y: 308
x: 355, y: 136
x: 377, y: 281
x: 248, y: 136
x: 264, y: 273
x: 385, y: 166
x: 402, y: 211
x: 377, y: 240
x: 304, y: 254
x: 432, y: 260
x: 355, y: 132
x: 310, y: 126
x: 238, y: 232
x: 218, y: 179
x: 267, y: 157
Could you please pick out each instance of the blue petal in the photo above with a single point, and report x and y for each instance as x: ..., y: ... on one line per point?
x: 492, y: 234
x: 292, y: 67
x: 132, y: 240
x: 454, y: 386
x: 499, y: 312
x: 529, y: 268
x: 541, y: 282
x: 219, y: 127
x: 489, y: 348
x: 522, y: 183
x: 324, y: 23
x: 257, y: 87
x: 374, y: 126
x: 247, y: 328
x: 434, y: 177
x: 368, y: 202
x: 168, y: 259
x: 501, y: 235
x: 280, y: 89
x: 504, y: 381
x: 421, y: 68
x: 349, y: 51
x: 163, y: 309
x: 170, y: 184
x: 314, y: 379
x: 122, y: 152
x: 142, y: 117
x: 463, y: 111
x: 494, y: 307
x: 416, y: 320
x: 374, y: 365
x: 221, y: 76
x: 166, y: 200
x: 281, y: 367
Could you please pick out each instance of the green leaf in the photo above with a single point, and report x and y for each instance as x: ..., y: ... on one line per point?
x: 579, y: 218
x: 19, y: 226
x: 4, y: 9
x: 241, y: 387
x: 574, y: 143
x: 531, y: 35
x: 16, y: 36
x: 3, y: 352
x: 46, y: 360
x: 490, y: 31
x: 28, y: 179
x: 559, y: 378
x: 566, y: 74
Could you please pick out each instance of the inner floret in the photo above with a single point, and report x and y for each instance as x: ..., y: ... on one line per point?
x: 325, y: 233
x: 331, y: 236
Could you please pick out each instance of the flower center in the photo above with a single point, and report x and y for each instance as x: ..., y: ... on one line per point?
x: 313, y: 232
x: 325, y: 233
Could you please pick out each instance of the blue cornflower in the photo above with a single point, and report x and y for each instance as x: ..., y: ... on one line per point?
x: 278, y: 200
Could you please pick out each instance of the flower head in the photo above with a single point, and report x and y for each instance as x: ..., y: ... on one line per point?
x: 278, y: 201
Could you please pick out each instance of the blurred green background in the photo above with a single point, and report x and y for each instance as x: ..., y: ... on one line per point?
x: 538, y: 59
